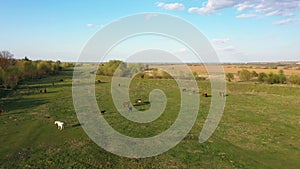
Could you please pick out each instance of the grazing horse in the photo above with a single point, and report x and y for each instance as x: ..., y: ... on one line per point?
x: 222, y: 94
x: 138, y: 101
x: 60, y: 125
x: 126, y: 104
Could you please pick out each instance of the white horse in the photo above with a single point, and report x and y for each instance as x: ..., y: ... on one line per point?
x: 60, y: 125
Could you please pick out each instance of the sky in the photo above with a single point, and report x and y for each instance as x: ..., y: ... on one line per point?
x: 238, y: 30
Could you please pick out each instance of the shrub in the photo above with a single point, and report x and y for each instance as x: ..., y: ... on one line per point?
x: 294, y: 79
x: 262, y: 77
x: 229, y: 77
x: 273, y: 78
x: 254, y: 74
x: 282, y: 77
x: 245, y: 75
x: 166, y: 75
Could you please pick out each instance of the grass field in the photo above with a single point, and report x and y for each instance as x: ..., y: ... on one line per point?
x: 259, y: 128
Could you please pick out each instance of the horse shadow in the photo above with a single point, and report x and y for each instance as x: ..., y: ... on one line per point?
x: 142, y: 104
x: 78, y: 125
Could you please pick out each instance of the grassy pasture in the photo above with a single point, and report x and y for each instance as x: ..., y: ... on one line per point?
x: 259, y: 128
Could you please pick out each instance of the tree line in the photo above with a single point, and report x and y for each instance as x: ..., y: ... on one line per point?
x: 269, y: 78
x: 12, y: 71
x: 119, y: 68
x: 139, y: 70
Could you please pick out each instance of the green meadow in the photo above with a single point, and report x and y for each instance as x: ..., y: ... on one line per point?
x: 259, y: 129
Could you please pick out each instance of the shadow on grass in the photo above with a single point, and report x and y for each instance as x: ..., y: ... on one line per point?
x: 142, y: 104
x: 20, y: 104
x: 77, y: 125
x: 4, y: 93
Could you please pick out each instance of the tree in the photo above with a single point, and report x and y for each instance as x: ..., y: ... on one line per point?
x: 26, y: 58
x: 1, y: 75
x: 245, y: 75
x: 294, y: 79
x: 262, y: 77
x: 195, y: 74
x: 109, y: 68
x: 6, y: 59
x: 229, y: 77
x: 282, y: 77
x: 44, y: 67
x: 254, y: 74
x: 273, y: 78
x: 11, y: 77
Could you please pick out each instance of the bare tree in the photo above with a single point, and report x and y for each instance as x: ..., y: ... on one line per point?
x: 6, y: 59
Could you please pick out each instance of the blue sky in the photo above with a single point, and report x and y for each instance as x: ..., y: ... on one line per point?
x: 239, y: 30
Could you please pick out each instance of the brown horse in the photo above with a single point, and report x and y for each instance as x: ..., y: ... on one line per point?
x: 126, y: 104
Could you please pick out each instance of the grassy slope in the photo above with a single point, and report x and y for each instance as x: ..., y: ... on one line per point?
x: 259, y: 129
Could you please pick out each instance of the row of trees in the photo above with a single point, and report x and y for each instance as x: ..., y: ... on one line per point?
x: 270, y: 78
x: 13, y: 70
x: 121, y: 69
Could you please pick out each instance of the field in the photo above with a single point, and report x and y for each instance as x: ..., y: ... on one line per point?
x: 259, y: 129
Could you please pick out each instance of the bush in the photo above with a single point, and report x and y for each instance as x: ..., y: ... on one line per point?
x: 282, y: 77
x: 245, y: 75
x: 262, y: 77
x: 294, y: 79
x: 254, y: 74
x: 200, y: 78
x: 272, y: 78
x: 229, y: 77
x: 166, y: 75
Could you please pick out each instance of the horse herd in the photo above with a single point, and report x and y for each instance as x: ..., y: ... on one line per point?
x: 60, y: 124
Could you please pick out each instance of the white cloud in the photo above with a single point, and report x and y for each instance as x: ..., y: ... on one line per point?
x: 265, y: 7
x: 282, y: 22
x: 278, y: 7
x: 246, y: 16
x: 279, y: 13
x: 220, y: 41
x: 229, y: 48
x: 244, y: 6
x: 90, y: 25
x: 171, y: 6
x: 212, y: 6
